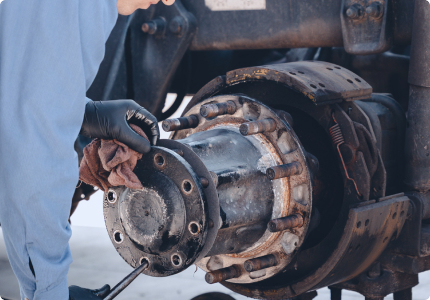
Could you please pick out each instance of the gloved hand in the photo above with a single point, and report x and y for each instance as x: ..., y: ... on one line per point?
x: 109, y: 120
x: 78, y: 293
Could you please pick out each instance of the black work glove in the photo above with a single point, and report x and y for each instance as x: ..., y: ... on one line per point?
x: 109, y: 120
x: 78, y: 293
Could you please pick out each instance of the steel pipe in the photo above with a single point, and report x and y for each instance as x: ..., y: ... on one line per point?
x: 417, y: 140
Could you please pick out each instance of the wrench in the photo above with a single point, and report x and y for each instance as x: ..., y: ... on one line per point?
x: 126, y: 281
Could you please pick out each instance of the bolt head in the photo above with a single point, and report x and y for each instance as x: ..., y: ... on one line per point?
x: 351, y: 12
x: 375, y: 10
x: 176, y: 25
x: 149, y: 27
x: 248, y: 266
x: 355, y: 12
x: 270, y: 173
x: 209, y: 278
x: 244, y: 129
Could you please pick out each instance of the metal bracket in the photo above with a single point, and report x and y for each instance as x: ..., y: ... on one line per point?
x: 415, y: 237
x: 158, y: 42
x: 364, y: 26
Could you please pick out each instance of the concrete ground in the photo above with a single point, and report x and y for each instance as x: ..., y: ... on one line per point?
x: 96, y: 263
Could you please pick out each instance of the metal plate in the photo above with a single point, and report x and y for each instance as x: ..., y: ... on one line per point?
x: 187, y: 246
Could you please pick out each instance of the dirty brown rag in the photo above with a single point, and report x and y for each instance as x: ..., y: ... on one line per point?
x: 109, y: 163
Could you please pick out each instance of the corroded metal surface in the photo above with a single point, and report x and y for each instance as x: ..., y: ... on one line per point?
x: 209, y: 190
x: 292, y: 194
x: 329, y: 203
x: 154, y: 223
x: 367, y: 233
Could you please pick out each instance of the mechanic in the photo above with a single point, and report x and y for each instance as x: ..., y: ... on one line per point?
x: 50, y: 51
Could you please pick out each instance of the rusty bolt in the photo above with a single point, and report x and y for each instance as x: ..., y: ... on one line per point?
x: 149, y: 27
x: 217, y: 109
x: 266, y: 125
x: 355, y: 11
x: 181, y: 123
x: 176, y: 25
x: 285, y: 223
x: 154, y: 26
x: 375, y: 10
x: 294, y: 168
x: 223, y: 274
x: 260, y: 263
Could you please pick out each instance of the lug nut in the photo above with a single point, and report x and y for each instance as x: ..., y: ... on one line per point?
x: 375, y: 10
x: 218, y: 109
x: 223, y: 274
x: 249, y: 128
x: 285, y: 223
x: 260, y: 263
x: 180, y: 123
x: 355, y: 11
x: 294, y: 168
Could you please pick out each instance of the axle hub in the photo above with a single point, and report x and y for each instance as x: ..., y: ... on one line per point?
x: 231, y: 191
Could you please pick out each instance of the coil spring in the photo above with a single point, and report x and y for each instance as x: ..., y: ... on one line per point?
x: 337, y: 138
x: 336, y: 134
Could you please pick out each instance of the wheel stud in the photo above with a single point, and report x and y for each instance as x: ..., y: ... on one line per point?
x: 181, y: 123
x: 217, y: 109
x: 249, y: 128
x: 260, y: 263
x: 282, y: 171
x: 285, y: 223
x: 223, y: 274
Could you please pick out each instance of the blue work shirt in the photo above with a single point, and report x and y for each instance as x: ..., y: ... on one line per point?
x: 50, y: 51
